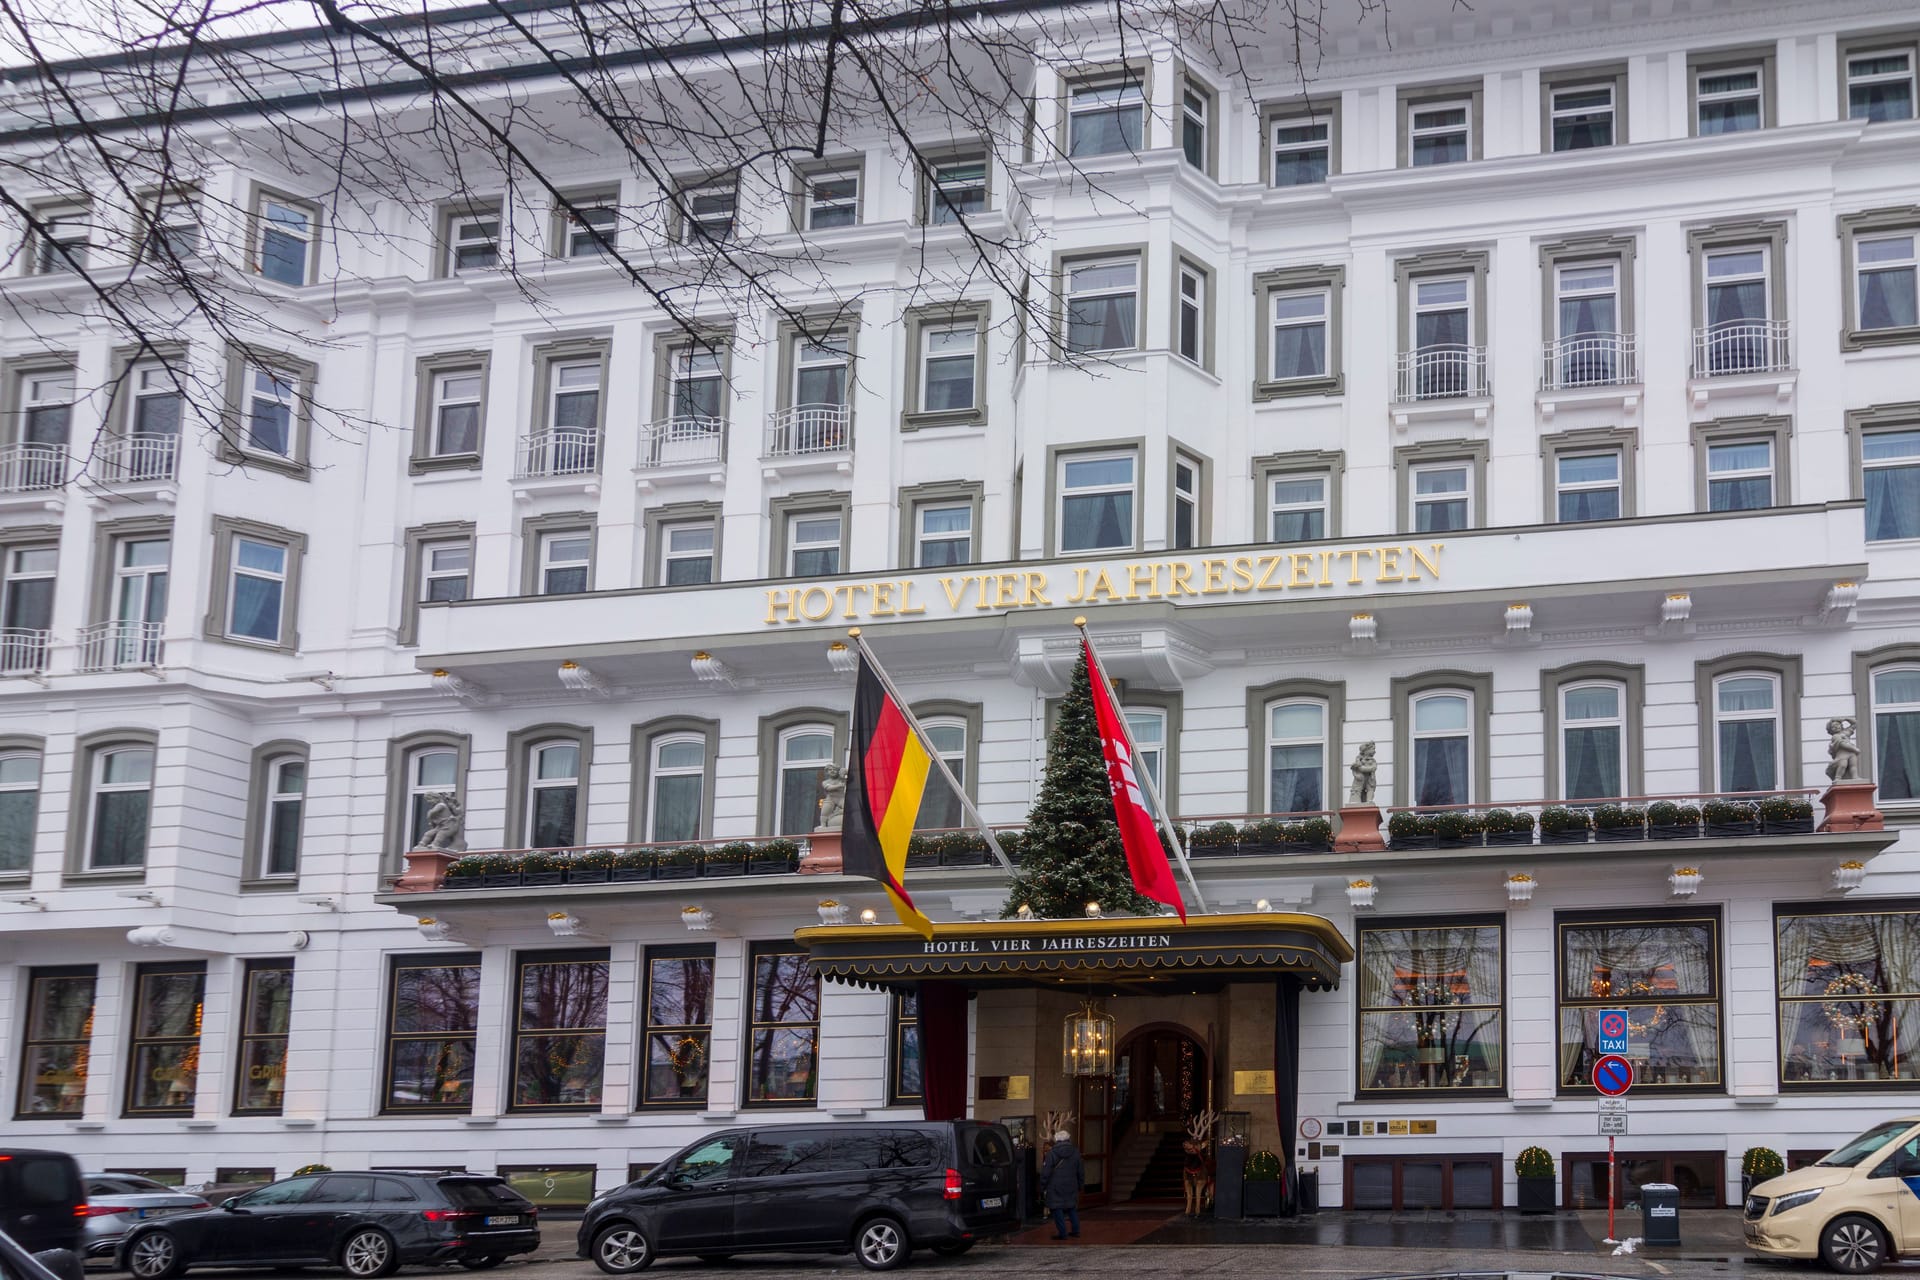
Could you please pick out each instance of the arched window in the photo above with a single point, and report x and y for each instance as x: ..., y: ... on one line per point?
x: 1443, y: 748
x: 939, y: 807
x: 805, y: 752
x: 1296, y: 756
x: 679, y: 785
x: 1896, y: 732
x: 1746, y: 731
x: 1593, y: 740
x: 553, y: 794
x: 431, y: 771
x: 120, y: 806
x: 19, y: 808
x: 284, y: 804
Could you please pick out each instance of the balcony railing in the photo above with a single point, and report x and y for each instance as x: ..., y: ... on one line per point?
x: 677, y: 441
x: 1442, y: 372
x: 1741, y: 346
x: 1688, y: 816
x: 136, y: 459
x: 113, y: 646
x: 1590, y: 360
x: 563, y: 451
x: 23, y: 651
x: 809, y: 428
x: 30, y: 468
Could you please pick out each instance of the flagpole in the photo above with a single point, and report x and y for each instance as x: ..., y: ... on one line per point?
x: 1145, y: 775
x: 926, y: 743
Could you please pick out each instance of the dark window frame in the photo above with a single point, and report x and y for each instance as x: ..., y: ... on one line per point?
x: 522, y: 960
x: 1800, y: 910
x: 649, y: 1028
x: 1642, y: 917
x: 899, y: 1025
x: 751, y: 1024
x: 1401, y: 924
x: 246, y: 1036
x: 390, y: 1038
x: 29, y: 1042
x: 136, y: 1041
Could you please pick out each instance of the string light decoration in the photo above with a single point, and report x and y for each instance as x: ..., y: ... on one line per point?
x: 1852, y: 984
x: 1603, y: 987
x: 1086, y: 1042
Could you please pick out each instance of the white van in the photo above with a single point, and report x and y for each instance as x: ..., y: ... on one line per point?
x: 1854, y: 1209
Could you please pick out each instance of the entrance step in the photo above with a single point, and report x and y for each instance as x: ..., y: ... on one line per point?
x: 1162, y: 1176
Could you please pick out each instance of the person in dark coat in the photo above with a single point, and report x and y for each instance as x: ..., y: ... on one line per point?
x: 1062, y: 1174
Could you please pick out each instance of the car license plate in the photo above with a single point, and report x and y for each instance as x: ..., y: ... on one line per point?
x: 992, y: 1202
x: 503, y: 1220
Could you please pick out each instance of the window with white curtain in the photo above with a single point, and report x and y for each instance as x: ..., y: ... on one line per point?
x: 1096, y: 501
x: 1665, y: 973
x: 1106, y: 117
x: 1740, y: 475
x: 943, y: 534
x: 1296, y: 756
x: 1896, y: 733
x: 1297, y: 507
x: 1727, y: 100
x: 1103, y: 305
x: 1884, y: 281
x: 1848, y: 996
x: 1582, y: 116
x: 1880, y: 85
x: 1890, y: 479
x: 1440, y: 132
x: 1593, y: 740
x: 813, y: 544
x: 553, y: 794
x: 804, y: 753
x: 1746, y: 732
x: 1587, y: 486
x: 431, y: 771
x: 1432, y: 1007
x: 679, y: 780
x: 1302, y: 150
x: 939, y: 806
x: 1442, y: 497
x: 1300, y: 334
x: 1443, y: 748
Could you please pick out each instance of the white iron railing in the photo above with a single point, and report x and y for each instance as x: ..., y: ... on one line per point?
x: 23, y: 651
x: 27, y: 468
x: 1740, y: 346
x: 1590, y: 360
x: 1443, y: 371
x: 563, y: 451
x: 809, y: 428
x: 108, y: 646
x: 136, y: 459
x: 691, y: 439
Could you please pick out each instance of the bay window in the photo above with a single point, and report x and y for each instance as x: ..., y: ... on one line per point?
x: 1664, y: 971
x: 1096, y: 497
x: 1106, y: 117
x: 284, y: 250
x: 1728, y: 100
x: 1432, y: 1007
x: 1880, y: 84
x: 1103, y: 304
x: 956, y: 188
x: 1440, y: 133
x: 1302, y: 150
x: 1581, y: 116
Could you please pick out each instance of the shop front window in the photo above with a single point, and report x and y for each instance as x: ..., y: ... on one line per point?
x: 1849, y: 997
x: 560, y: 1036
x: 679, y: 1034
x: 783, y: 1036
x: 430, y: 1033
x: 1665, y: 974
x: 1431, y: 1008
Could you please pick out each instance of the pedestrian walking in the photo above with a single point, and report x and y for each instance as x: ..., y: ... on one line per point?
x: 1062, y: 1174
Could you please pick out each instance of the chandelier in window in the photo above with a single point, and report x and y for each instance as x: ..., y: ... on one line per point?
x: 1086, y: 1042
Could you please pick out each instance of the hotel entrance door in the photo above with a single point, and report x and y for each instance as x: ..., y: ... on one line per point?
x: 1094, y: 1098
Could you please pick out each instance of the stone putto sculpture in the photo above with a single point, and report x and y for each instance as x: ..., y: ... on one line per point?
x: 446, y: 824
x: 1363, y: 769
x: 833, y: 798
x: 1843, y: 751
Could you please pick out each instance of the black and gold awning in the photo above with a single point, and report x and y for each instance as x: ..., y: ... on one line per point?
x: 1135, y: 953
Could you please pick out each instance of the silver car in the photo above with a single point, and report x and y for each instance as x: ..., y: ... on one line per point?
x: 117, y: 1201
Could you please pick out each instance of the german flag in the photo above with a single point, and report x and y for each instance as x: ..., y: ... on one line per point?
x: 886, y: 776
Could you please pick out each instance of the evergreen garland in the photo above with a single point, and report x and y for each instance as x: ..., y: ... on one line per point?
x: 1071, y: 853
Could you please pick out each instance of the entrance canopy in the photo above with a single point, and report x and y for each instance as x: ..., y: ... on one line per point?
x: 1138, y: 954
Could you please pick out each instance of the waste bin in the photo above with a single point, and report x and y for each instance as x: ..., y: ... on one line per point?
x: 1659, y: 1213
x: 1309, y: 1199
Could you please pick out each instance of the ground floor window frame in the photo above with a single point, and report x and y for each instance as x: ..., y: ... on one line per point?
x: 1849, y: 1023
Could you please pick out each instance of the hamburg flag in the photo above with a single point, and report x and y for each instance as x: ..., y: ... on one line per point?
x: 1146, y: 859
x: 885, y: 779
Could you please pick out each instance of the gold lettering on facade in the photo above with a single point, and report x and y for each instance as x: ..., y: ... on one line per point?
x: 1036, y: 591
x: 1006, y: 590
x: 1353, y: 579
x: 1242, y: 574
x: 1182, y: 580
x: 1151, y: 571
x: 1213, y: 577
x: 1301, y: 569
x: 1431, y: 566
x: 826, y: 604
x: 1389, y: 560
x: 1272, y: 564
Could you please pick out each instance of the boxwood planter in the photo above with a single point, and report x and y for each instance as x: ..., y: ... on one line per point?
x: 587, y: 875
x: 966, y: 858
x: 1536, y: 1194
x: 631, y: 875
x: 724, y: 867
x: 769, y: 866
x: 507, y: 880
x: 1673, y: 830
x: 1509, y: 837
x: 1606, y: 835
x: 1407, y: 842
x: 1260, y: 1198
x: 1728, y: 830
x: 1787, y: 826
x: 676, y: 871
x: 1577, y: 836
x: 540, y: 879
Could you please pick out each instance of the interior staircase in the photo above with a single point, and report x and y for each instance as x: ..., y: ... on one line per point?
x: 1149, y: 1168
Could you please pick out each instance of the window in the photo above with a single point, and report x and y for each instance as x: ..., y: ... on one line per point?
x: 61, y: 244
x: 1442, y: 748
x: 1186, y: 503
x: 1587, y: 486
x: 944, y: 534
x: 1587, y: 311
x: 1195, y: 107
x: 1884, y: 280
x: 446, y: 570
x: 1728, y: 100
x: 163, y: 1071
x: 1896, y: 732
x: 1103, y: 300
x: 783, y: 1029
x: 695, y: 385
x: 46, y: 409
x: 906, y: 1079
x: 139, y: 602
x: 1581, y: 116
x: 957, y: 188
x: 19, y: 809
x: 820, y: 371
x: 679, y: 1025
x: 593, y: 230
x: 1096, y: 502
x: 1190, y: 337
x: 266, y: 1015
x: 269, y: 410
x: 939, y: 807
x: 119, y: 802
x: 1147, y: 726
x: 805, y: 752
x: 1296, y: 757
x: 55, y: 1053
x: 553, y: 795
x: 1432, y: 1001
x: 284, y: 802
x: 256, y: 590
x: 560, y: 1030
x: 1739, y: 475
x: 569, y: 446
x: 566, y: 559
x: 1299, y: 323
x: 686, y: 553
x: 707, y: 210
x: 430, y: 1033
x: 1890, y: 480
x: 1442, y: 497
x: 1664, y: 972
x: 1440, y: 132
x: 173, y: 224
x: 1746, y: 732
x: 947, y: 357
x: 1847, y: 986
x: 1593, y: 728
x: 1443, y: 337
x: 26, y: 608
x: 813, y: 544
x: 153, y: 421
x: 457, y: 397
x: 473, y: 241
x: 1106, y: 117
x: 831, y: 198
x: 285, y: 247
x: 1738, y: 308
x: 1296, y: 507
x: 679, y: 774
x: 431, y: 773
x: 1302, y: 150
x: 1880, y: 85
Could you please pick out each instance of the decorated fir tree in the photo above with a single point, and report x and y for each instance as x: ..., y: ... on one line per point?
x: 1071, y: 853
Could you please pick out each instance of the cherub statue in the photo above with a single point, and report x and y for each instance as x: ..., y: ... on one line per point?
x: 1843, y: 750
x: 446, y: 828
x: 1363, y: 768
x: 833, y: 798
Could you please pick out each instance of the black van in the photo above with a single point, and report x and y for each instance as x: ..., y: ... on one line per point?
x: 43, y: 1199
x: 878, y: 1190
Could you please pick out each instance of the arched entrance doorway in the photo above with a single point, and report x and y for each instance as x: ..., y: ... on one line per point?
x: 1134, y: 1122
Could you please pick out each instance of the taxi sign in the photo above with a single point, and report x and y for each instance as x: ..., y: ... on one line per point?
x: 1613, y: 1075
x: 1613, y: 1031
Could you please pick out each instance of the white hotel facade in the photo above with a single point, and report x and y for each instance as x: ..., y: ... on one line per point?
x: 1602, y: 324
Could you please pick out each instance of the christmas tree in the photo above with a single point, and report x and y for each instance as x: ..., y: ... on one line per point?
x: 1071, y: 853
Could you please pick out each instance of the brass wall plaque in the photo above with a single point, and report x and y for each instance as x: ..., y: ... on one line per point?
x: 1247, y: 1083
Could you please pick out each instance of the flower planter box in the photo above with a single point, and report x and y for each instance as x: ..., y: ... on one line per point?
x: 966, y: 858
x: 1229, y: 1181
x: 1454, y: 842
x: 1256, y: 848
x: 769, y: 866
x: 676, y: 871
x: 1536, y: 1194
x: 1212, y: 850
x: 1606, y: 835
x: 1260, y: 1199
x: 1729, y: 830
x: 1564, y: 837
x: 587, y: 875
x: 510, y: 880
x: 1308, y: 846
x: 1509, y: 837
x: 541, y: 879
x: 1411, y: 842
x: 923, y: 860
x: 1673, y: 831
x: 631, y: 875
x: 1787, y: 826
x: 712, y: 868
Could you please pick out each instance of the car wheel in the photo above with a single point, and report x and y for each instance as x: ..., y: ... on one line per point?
x: 369, y: 1254
x: 622, y: 1249
x: 485, y: 1262
x: 881, y: 1244
x: 154, y: 1256
x: 952, y: 1248
x: 1853, y: 1245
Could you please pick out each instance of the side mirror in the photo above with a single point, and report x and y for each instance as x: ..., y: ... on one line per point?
x: 231, y: 1204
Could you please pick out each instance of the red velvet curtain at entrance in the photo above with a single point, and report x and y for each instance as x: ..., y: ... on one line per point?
x: 943, y: 1050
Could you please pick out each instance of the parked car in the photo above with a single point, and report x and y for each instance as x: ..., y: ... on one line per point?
x: 365, y: 1223
x: 42, y: 1199
x: 1851, y: 1208
x: 879, y: 1190
x: 118, y: 1201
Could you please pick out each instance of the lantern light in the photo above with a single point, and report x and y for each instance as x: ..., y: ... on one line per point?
x: 1093, y: 911
x: 1086, y: 1042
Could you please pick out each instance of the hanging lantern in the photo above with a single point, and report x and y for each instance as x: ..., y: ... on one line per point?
x: 1086, y: 1043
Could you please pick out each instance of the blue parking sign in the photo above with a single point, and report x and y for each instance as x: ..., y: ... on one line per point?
x: 1613, y: 1031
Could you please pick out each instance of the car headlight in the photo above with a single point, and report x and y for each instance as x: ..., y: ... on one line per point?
x: 1794, y: 1199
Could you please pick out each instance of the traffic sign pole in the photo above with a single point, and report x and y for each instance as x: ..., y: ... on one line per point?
x: 1612, y: 1076
x: 1611, y: 1176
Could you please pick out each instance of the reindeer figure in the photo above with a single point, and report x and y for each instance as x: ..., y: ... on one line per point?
x: 1197, y: 1171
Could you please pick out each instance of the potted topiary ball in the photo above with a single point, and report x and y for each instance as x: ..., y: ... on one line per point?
x: 1533, y: 1168
x: 1757, y: 1165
